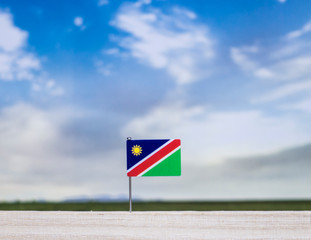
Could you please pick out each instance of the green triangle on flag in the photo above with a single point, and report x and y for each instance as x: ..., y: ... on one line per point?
x: 170, y: 166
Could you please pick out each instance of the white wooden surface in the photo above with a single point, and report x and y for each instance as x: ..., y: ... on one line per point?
x: 155, y: 225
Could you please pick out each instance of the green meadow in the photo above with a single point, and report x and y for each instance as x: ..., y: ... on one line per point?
x: 161, y: 206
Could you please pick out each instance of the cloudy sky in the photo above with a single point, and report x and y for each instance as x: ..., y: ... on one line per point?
x: 231, y: 79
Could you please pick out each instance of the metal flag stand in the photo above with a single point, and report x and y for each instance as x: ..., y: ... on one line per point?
x: 130, y: 187
x: 130, y: 193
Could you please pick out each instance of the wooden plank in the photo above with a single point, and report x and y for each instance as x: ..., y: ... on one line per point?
x: 155, y: 225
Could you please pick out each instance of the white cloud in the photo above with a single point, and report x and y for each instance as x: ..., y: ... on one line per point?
x: 288, y: 69
x: 44, y: 157
x: 241, y: 58
x: 304, y: 105
x: 211, y: 137
x: 185, y: 12
x: 53, y: 88
x: 103, y: 68
x: 213, y: 142
x: 27, y: 142
x: 277, y: 69
x: 287, y: 61
x: 103, y: 2
x: 41, y: 158
x: 286, y: 66
x: 300, y: 32
x: 16, y: 63
x: 34, y: 128
x: 140, y: 3
x: 12, y: 38
x: 281, y: 1
x: 78, y: 21
x: 172, y: 42
x: 111, y: 51
x: 285, y: 91
x: 44, y: 84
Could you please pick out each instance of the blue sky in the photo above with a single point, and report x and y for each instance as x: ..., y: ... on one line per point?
x: 230, y: 78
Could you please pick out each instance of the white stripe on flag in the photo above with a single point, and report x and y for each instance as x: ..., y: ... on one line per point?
x: 161, y: 160
x: 155, y: 151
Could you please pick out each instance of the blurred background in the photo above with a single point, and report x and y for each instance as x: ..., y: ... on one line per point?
x: 231, y: 79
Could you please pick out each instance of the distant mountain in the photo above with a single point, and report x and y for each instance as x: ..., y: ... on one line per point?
x: 98, y: 198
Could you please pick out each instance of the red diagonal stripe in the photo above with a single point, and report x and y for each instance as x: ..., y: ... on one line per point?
x: 154, y: 158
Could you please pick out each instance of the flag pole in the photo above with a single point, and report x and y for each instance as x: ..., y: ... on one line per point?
x: 130, y: 187
x: 130, y: 193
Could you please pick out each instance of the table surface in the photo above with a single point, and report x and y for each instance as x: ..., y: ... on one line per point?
x: 155, y: 225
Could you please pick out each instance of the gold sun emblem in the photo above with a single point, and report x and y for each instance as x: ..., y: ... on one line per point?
x: 136, y: 150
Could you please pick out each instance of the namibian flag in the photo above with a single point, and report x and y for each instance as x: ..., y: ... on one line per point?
x: 160, y: 157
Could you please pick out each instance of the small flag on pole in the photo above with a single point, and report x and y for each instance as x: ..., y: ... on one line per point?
x: 157, y: 157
